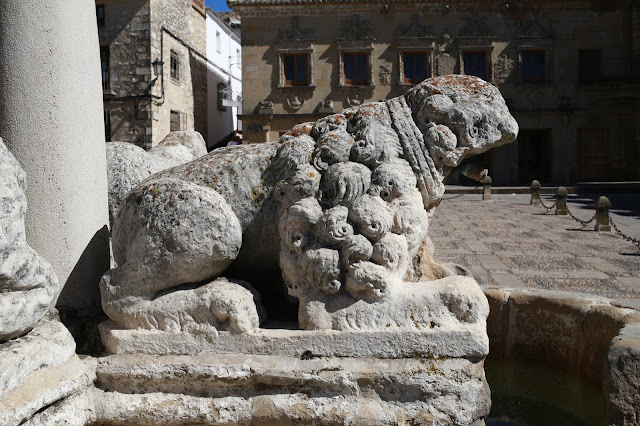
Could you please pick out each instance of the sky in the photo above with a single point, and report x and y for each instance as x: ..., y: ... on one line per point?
x: 217, y: 5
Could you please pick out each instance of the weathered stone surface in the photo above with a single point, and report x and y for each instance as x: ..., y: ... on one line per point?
x: 28, y: 284
x: 44, y: 387
x: 129, y: 164
x: 622, y: 380
x: 463, y: 341
x: 250, y: 389
x: 341, y: 205
x: 48, y: 344
x: 75, y: 410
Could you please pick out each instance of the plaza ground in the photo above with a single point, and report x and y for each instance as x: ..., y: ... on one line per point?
x: 506, y: 242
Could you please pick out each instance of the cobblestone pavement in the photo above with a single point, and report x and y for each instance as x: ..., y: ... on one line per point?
x: 509, y: 243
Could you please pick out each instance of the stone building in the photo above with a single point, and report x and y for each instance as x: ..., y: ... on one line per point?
x: 139, y: 106
x: 224, y: 81
x: 568, y: 68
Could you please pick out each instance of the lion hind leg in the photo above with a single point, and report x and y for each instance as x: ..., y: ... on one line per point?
x: 169, y: 236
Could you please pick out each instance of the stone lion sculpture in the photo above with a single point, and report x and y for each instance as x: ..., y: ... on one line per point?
x: 339, y: 207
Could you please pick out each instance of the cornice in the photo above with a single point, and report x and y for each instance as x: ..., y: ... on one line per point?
x: 317, y: 7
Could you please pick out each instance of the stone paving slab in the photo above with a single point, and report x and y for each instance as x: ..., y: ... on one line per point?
x: 507, y: 242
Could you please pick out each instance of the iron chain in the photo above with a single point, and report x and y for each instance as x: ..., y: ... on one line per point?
x: 586, y: 222
x: 625, y: 237
x: 582, y: 222
x: 547, y: 207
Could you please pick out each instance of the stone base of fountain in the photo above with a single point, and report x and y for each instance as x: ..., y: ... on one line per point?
x: 39, y: 372
x: 241, y: 389
x: 426, y: 368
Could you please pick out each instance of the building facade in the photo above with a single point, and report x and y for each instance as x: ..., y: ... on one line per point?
x: 224, y: 79
x: 569, y: 70
x: 140, y: 106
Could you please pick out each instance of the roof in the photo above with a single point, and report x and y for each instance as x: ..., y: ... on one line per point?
x: 428, y: 3
x: 230, y: 19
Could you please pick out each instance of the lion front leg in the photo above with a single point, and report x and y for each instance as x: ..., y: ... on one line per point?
x: 170, y: 238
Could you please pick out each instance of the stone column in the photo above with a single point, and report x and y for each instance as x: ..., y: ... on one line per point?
x: 51, y: 119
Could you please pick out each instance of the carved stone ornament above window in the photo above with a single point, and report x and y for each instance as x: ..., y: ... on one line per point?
x: 295, y: 33
x: 533, y: 35
x: 476, y: 26
x: 415, y: 29
x: 355, y: 28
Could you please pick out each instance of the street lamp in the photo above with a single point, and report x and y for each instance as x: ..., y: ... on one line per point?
x: 157, y: 66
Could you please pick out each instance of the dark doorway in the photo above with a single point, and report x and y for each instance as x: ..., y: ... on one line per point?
x: 534, y: 155
x: 593, y: 155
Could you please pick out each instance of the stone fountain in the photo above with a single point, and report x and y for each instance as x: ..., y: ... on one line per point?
x: 339, y: 209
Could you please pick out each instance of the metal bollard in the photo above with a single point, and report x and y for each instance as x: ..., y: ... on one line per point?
x: 486, y: 188
x: 602, y: 214
x: 561, y: 201
x: 535, y: 193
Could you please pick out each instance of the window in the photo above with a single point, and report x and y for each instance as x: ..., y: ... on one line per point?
x: 534, y: 66
x: 174, y: 121
x: 475, y: 63
x: 100, y: 15
x: 221, y: 96
x: 296, y: 70
x: 218, y: 42
x: 104, y: 64
x: 174, y: 65
x: 107, y: 125
x: 356, y: 68
x: 415, y: 65
x: 589, y: 65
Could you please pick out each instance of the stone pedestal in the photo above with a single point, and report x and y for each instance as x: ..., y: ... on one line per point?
x: 39, y: 372
x: 427, y: 369
x: 250, y: 389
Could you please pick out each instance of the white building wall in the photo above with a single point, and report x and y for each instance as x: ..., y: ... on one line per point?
x: 223, y: 49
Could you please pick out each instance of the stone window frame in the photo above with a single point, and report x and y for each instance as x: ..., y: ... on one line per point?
x: 295, y: 49
x: 523, y: 53
x: 417, y: 45
x: 175, y: 62
x: 534, y: 44
x: 477, y: 44
x: 175, y: 118
x: 355, y: 46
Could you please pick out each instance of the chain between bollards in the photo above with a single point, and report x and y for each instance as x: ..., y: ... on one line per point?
x: 602, y: 205
x: 582, y: 222
x: 624, y: 237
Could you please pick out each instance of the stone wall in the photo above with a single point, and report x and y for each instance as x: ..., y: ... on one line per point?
x: 134, y: 35
x: 188, y: 94
x: 558, y: 112
x: 126, y: 34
